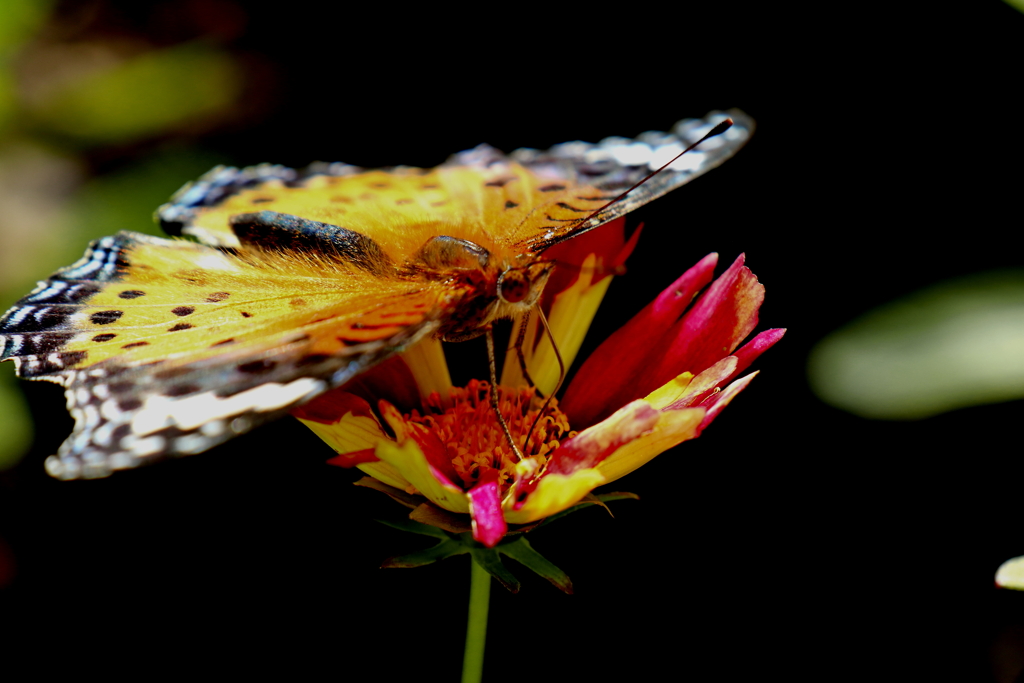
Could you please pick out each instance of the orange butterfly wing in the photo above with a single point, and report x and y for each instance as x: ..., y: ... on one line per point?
x: 168, y: 347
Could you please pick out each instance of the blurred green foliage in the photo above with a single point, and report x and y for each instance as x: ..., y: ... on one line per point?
x: 73, y: 91
x: 143, y: 96
x: 957, y: 344
x: 20, y: 19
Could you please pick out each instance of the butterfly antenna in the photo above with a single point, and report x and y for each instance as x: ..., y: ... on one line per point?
x: 558, y: 385
x: 717, y: 130
x: 494, y: 393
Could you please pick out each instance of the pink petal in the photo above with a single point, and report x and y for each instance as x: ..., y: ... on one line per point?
x: 723, y: 316
x: 485, y: 510
x: 608, y: 377
x: 749, y: 352
x: 719, y: 401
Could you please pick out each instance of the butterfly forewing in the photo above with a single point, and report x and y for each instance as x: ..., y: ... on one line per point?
x: 170, y: 347
x: 303, y: 279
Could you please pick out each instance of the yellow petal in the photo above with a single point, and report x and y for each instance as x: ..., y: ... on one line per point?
x: 571, y: 314
x: 382, y: 471
x: 350, y: 433
x: 554, y: 493
x: 408, y: 459
x: 356, y: 433
x: 673, y: 428
x: 430, y: 370
x: 670, y: 392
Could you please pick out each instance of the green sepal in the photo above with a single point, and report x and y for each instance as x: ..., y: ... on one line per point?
x: 446, y: 548
x: 490, y: 560
x: 414, y: 527
x: 514, y: 546
x: 591, y: 499
x: 522, y: 552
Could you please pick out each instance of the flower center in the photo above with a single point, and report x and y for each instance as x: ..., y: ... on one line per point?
x: 473, y: 437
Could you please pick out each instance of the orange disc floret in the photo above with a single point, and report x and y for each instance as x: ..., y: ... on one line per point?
x: 473, y: 438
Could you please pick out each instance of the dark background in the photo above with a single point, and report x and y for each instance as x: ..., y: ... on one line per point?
x: 791, y: 540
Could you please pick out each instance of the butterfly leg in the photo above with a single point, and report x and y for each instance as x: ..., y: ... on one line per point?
x: 492, y: 364
x: 520, y: 340
x: 558, y: 385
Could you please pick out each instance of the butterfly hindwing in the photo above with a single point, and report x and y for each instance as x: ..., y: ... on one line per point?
x: 526, y: 200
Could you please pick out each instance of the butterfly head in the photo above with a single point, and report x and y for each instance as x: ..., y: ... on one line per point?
x: 519, y: 289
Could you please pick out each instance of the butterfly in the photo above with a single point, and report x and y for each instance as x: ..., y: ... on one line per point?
x: 296, y: 281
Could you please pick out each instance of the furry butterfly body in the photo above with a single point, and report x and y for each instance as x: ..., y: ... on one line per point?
x: 300, y: 280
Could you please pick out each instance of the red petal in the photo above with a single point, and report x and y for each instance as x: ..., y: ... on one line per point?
x: 330, y: 407
x: 430, y: 444
x: 608, y: 377
x: 391, y: 380
x: 749, y: 352
x: 354, y: 458
x: 485, y: 509
x: 609, y: 244
x: 436, y: 454
x: 712, y: 329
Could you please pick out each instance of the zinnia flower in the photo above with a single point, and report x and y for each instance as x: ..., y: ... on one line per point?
x: 658, y: 381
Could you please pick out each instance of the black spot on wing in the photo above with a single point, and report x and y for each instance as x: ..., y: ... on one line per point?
x: 105, y: 317
x: 182, y: 389
x: 312, y: 359
x: 51, y: 305
x: 257, y: 367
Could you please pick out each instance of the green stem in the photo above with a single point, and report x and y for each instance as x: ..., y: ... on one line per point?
x: 476, y: 627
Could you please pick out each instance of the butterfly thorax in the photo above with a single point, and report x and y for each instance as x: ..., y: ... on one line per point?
x: 485, y: 284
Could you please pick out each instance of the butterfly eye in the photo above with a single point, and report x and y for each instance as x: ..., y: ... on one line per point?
x: 524, y: 285
x: 513, y: 286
